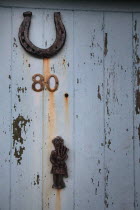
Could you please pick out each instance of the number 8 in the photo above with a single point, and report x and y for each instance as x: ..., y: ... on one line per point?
x: 40, y: 82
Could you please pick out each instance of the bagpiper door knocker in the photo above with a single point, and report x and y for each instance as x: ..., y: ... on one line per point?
x: 59, y: 167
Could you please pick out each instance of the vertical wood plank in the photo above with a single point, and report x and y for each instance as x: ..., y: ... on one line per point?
x: 38, y: 117
x: 89, y: 112
x: 58, y: 112
x: 5, y: 107
x: 119, y: 176
x: 26, y: 168
x: 136, y: 37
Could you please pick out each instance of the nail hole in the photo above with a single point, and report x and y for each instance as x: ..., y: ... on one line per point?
x: 66, y: 95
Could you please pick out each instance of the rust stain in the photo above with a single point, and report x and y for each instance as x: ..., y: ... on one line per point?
x: 137, y: 108
x: 105, y: 44
x: 46, y: 67
x: 51, y: 116
x: 51, y: 103
x: 58, y: 200
x: 49, y: 100
x: 66, y: 101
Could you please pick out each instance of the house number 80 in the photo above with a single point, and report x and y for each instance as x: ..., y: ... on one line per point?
x: 39, y: 83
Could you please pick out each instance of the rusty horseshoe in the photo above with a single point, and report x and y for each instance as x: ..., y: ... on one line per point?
x: 36, y: 51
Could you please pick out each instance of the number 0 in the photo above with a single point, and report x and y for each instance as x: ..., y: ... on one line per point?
x: 48, y: 83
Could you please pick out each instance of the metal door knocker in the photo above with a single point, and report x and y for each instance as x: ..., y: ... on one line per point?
x: 59, y: 167
x: 36, y: 51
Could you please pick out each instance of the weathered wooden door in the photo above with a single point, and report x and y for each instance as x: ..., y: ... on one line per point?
x: 95, y: 109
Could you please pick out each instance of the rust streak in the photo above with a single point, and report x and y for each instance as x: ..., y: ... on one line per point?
x: 50, y: 110
x: 51, y: 104
x: 58, y: 200
x: 51, y: 116
x: 46, y: 67
x: 66, y: 101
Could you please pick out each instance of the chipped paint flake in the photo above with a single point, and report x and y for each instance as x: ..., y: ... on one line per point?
x: 21, y: 89
x: 137, y: 108
x: 99, y: 95
x: 135, y: 26
x: 139, y: 132
x: 105, y: 44
x: 18, y: 154
x: 138, y: 76
x: 19, y: 125
x: 37, y: 180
